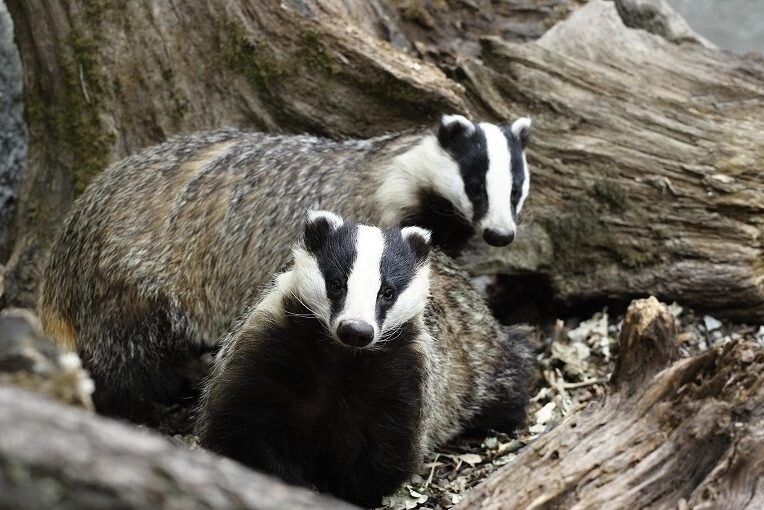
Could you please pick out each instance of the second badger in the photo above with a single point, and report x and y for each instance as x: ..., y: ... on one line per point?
x: 364, y: 355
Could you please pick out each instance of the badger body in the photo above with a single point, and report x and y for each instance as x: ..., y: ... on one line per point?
x: 361, y: 358
x: 165, y: 249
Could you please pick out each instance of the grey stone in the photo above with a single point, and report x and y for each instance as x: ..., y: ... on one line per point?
x: 13, y: 136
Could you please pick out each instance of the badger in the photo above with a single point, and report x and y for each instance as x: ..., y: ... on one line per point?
x: 363, y: 356
x: 165, y: 249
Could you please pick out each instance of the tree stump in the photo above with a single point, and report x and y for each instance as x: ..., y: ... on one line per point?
x: 670, y: 433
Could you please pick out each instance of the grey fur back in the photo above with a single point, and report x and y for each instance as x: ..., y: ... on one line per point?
x: 199, y: 223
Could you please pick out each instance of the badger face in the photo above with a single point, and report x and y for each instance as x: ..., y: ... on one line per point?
x: 363, y: 283
x: 491, y: 163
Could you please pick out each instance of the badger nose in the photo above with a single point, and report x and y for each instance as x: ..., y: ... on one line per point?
x: 498, y: 238
x: 355, y: 333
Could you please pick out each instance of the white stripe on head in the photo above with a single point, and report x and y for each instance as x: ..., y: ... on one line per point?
x: 498, y: 182
x: 521, y: 129
x: 281, y: 286
x: 411, y: 302
x: 304, y: 282
x: 365, y: 280
x: 526, y: 185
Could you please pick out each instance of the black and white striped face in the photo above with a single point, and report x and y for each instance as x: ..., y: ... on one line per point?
x: 362, y: 282
x: 492, y: 166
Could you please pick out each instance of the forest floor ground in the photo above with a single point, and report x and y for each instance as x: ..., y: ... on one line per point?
x: 575, y: 359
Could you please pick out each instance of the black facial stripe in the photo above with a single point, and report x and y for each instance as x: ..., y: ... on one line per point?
x: 471, y: 154
x: 335, y: 260
x: 397, y: 269
x: 517, y: 168
x: 450, y: 230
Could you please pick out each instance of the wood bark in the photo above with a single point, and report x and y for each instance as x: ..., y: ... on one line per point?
x: 645, y: 159
x: 670, y: 434
x: 104, y: 79
x: 52, y: 456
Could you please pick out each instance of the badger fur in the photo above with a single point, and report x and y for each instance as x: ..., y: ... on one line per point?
x: 362, y: 357
x: 164, y: 249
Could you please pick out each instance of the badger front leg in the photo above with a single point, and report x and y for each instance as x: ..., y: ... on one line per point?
x: 139, y: 357
x: 506, y: 411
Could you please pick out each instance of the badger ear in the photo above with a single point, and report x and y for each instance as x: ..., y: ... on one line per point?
x: 419, y: 240
x: 521, y: 128
x: 453, y: 127
x: 319, y: 227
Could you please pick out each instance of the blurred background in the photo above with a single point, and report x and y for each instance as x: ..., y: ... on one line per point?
x: 735, y: 25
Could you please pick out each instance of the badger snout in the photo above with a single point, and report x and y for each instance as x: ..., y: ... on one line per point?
x: 498, y: 237
x: 355, y: 333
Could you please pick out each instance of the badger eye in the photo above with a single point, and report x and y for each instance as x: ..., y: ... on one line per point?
x: 387, y: 293
x: 474, y: 188
x: 336, y: 286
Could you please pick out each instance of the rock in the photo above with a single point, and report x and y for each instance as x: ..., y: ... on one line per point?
x: 657, y: 17
x: 13, y: 138
x: 710, y: 323
x: 30, y: 360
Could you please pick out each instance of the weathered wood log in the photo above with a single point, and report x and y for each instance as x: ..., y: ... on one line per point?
x: 646, y: 156
x: 31, y: 361
x: 646, y: 159
x: 103, y: 79
x: 52, y: 456
x: 690, y: 433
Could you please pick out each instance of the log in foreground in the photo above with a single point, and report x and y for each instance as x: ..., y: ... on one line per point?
x: 53, y: 456
x: 690, y: 434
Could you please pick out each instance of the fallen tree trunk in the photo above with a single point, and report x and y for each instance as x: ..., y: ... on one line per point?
x: 669, y: 434
x: 645, y: 160
x: 53, y: 456
x: 647, y: 164
x: 100, y: 85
